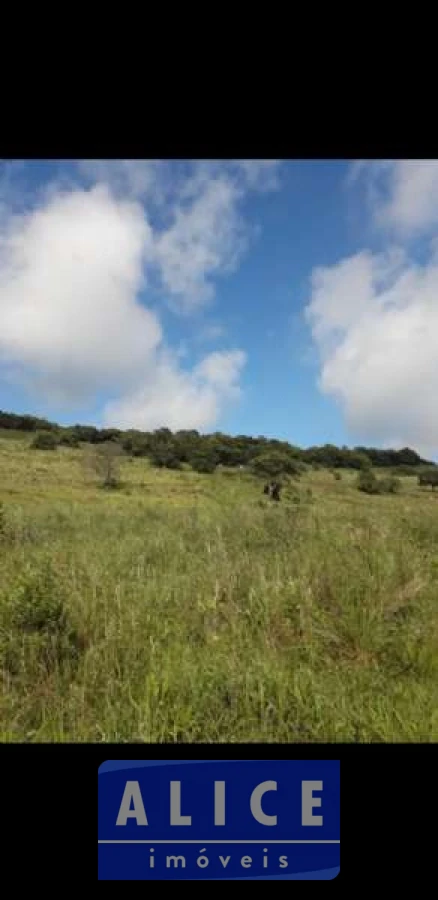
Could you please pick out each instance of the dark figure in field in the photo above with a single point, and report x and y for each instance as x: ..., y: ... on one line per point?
x: 275, y: 492
x: 273, y: 489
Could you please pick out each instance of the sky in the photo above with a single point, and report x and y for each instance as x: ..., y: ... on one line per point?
x: 295, y: 299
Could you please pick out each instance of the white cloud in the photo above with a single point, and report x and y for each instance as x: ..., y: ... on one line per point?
x: 135, y: 178
x: 69, y: 275
x: 204, y: 239
x: 72, y: 270
x: 374, y: 319
x: 355, y: 170
x: 260, y: 174
x: 220, y: 369
x: 191, y: 400
x: 402, y: 195
x: 210, y: 332
x: 412, y: 205
x: 201, y: 232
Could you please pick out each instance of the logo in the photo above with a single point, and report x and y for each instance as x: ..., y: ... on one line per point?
x: 219, y: 820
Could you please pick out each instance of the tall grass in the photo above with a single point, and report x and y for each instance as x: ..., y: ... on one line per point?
x: 188, y: 607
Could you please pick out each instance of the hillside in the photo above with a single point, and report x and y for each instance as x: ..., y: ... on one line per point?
x: 187, y: 606
x: 171, y: 449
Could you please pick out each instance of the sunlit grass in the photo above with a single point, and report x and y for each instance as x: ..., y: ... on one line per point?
x: 183, y: 607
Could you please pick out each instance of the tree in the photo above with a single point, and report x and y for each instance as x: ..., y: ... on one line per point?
x: 230, y: 451
x: 25, y: 423
x: 108, y: 434
x: 45, y: 440
x: 69, y: 438
x: 105, y: 460
x: 356, y: 460
x: 85, y: 433
x: 164, y: 456
x: 273, y: 465
x: 186, y: 442
x: 135, y: 443
x: 382, y: 458
x: 203, y: 462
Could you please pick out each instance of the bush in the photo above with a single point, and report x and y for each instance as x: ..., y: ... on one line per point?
x: 104, y: 460
x: 203, y: 464
x: 356, y: 460
x: 367, y: 482
x: 273, y: 465
x: 45, y: 440
x: 165, y: 457
x: 135, y: 445
x: 35, y: 628
x: 428, y: 477
x: 407, y: 471
x: 389, y: 485
x: 69, y: 439
x: 292, y: 495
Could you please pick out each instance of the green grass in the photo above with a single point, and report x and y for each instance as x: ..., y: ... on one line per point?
x: 187, y: 607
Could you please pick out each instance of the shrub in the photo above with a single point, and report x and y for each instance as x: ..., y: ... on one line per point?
x: 429, y: 477
x: 45, y: 440
x: 104, y: 460
x: 35, y: 628
x: 389, y: 485
x: 69, y: 439
x: 292, y: 495
x: 273, y: 465
x: 135, y: 445
x: 367, y: 482
x: 407, y: 471
x: 164, y: 456
x: 203, y: 464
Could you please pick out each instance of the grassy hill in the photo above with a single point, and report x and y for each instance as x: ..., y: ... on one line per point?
x: 190, y: 607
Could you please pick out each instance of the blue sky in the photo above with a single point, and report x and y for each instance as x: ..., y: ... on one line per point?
x: 295, y: 299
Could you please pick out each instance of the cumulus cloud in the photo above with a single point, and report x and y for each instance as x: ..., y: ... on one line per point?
x: 402, y: 195
x: 69, y: 275
x: 191, y: 399
x: 374, y: 316
x: 199, y: 229
x: 76, y: 268
x: 374, y: 319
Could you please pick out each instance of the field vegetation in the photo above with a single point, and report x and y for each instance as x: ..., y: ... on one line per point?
x: 145, y: 598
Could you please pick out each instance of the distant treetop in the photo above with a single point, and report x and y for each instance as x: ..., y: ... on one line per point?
x: 206, y: 451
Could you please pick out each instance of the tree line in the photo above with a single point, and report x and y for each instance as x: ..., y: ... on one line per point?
x: 204, y: 452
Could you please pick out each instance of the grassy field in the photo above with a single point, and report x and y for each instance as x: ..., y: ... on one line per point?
x: 187, y: 607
